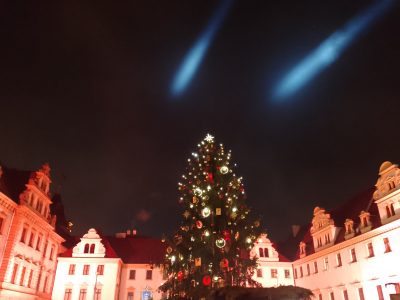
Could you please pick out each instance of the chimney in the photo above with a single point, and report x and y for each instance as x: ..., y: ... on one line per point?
x: 120, y: 235
x: 295, y: 230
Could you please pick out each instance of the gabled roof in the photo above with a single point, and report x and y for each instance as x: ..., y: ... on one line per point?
x: 350, y: 209
x: 131, y: 249
x: 139, y: 250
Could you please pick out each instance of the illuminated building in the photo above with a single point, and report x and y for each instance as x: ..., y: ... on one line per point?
x: 273, y: 268
x: 353, y: 252
x: 100, y: 267
x: 29, y: 243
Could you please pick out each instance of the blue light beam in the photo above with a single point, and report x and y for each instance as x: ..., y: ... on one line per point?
x: 329, y: 50
x: 196, y: 54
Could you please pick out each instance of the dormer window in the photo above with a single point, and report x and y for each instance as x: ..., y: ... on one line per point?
x: 92, y: 248
x: 364, y: 221
x: 86, y: 249
x: 348, y: 224
x: 391, y: 185
x: 302, y: 247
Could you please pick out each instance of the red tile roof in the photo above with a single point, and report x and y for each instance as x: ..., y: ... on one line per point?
x: 348, y: 210
x: 131, y: 249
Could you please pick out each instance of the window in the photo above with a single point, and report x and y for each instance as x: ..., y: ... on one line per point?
x: 387, y: 245
x: 261, y: 252
x: 327, y: 238
x: 132, y: 274
x: 100, y: 269
x: 353, y: 255
x: 326, y: 263
x: 301, y: 271
x: 71, y: 270
x: 149, y: 274
x: 86, y: 249
x: 345, y: 295
x: 31, y: 239
x: 315, y: 267
x: 23, y: 235
x: 67, y: 294
x: 295, y: 273
x: 380, y: 292
x: 97, y: 294
x: 319, y: 242
x: 51, y: 252
x: 14, y: 273
x: 21, y: 280
x: 370, y: 250
x: 332, y: 296
x: 319, y: 296
x: 86, y: 269
x: 1, y: 224
x: 92, y: 248
x: 308, y: 270
x: 364, y: 221
x: 390, y: 210
x: 130, y: 296
x: 274, y: 273
x: 339, y: 260
x: 287, y: 273
x: 30, y: 279
x: 45, y: 283
x: 361, y: 293
x: 82, y: 294
x: 38, y: 241
x: 266, y: 252
x: 259, y: 273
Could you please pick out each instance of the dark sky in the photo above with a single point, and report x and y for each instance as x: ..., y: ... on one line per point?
x: 85, y: 86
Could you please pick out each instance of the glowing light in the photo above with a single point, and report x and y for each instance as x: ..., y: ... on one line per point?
x: 196, y: 54
x: 329, y: 50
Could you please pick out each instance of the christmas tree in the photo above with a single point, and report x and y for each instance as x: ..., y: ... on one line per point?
x: 211, y: 248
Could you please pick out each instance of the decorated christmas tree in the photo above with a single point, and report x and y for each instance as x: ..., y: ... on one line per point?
x: 211, y: 248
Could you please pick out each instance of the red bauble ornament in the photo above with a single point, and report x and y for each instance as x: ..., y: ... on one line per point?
x: 224, y: 264
x: 227, y: 235
x: 180, y: 275
x: 210, y: 177
x: 207, y: 280
x: 199, y: 224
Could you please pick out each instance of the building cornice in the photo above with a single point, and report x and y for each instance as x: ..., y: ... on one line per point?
x: 355, y: 240
x: 6, y: 202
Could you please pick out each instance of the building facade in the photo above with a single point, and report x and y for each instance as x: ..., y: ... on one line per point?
x: 120, y: 267
x: 29, y: 244
x: 354, y: 252
x: 273, y: 268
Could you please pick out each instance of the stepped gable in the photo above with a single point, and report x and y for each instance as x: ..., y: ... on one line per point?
x: 139, y: 249
x: 350, y: 209
x: 12, y: 182
x: 110, y: 252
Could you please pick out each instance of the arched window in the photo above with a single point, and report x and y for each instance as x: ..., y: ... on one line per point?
x: 266, y: 253
x: 92, y: 248
x: 261, y: 252
x: 86, y: 249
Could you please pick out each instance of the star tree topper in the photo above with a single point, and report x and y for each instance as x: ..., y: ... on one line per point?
x: 209, y: 138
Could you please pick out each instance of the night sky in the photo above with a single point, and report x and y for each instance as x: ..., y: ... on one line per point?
x: 85, y: 86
